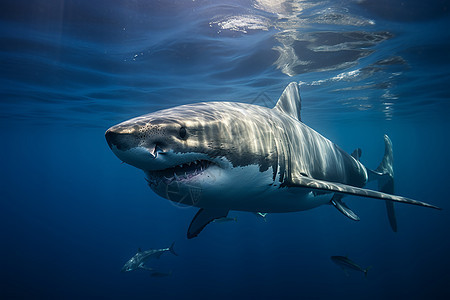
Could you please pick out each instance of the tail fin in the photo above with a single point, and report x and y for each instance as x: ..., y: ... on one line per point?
x: 172, y: 250
x: 384, y: 174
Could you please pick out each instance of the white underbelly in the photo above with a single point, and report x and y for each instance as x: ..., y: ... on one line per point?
x: 276, y: 201
x: 248, y: 189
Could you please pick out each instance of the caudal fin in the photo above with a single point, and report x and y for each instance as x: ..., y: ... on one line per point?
x: 384, y: 174
x: 172, y: 250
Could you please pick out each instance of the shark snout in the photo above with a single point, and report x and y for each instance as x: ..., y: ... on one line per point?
x: 134, y: 149
x: 111, y: 138
x: 120, y: 140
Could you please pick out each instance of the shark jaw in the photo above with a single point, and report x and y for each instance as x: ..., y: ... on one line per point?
x: 182, y: 173
x: 186, y: 183
x: 182, y: 178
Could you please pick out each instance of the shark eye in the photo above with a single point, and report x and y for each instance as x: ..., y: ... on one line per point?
x: 183, y: 133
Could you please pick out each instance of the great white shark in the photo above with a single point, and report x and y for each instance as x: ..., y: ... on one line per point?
x: 222, y: 156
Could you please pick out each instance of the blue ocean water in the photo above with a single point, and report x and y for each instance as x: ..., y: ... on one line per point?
x: 71, y: 215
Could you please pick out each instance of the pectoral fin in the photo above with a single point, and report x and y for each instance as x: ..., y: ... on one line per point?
x: 343, y: 208
x: 145, y: 268
x: 203, y: 218
x: 332, y: 187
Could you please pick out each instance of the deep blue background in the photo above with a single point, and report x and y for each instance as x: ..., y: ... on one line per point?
x: 71, y: 215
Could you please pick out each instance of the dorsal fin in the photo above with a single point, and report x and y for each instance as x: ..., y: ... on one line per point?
x: 356, y: 154
x: 290, y: 102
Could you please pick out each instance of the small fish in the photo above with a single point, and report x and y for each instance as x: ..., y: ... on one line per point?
x: 347, y: 264
x: 161, y: 274
x: 224, y: 219
x: 141, y: 257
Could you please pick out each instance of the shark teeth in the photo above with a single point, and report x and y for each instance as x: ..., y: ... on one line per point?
x: 179, y: 173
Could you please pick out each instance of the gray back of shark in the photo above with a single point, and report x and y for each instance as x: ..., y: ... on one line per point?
x: 222, y: 156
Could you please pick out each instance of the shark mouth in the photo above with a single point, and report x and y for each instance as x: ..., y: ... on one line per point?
x: 179, y: 173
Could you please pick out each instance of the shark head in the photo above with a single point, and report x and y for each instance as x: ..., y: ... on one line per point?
x: 207, y: 152
x: 131, y: 265
x: 126, y: 268
x: 192, y: 151
x: 168, y: 139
